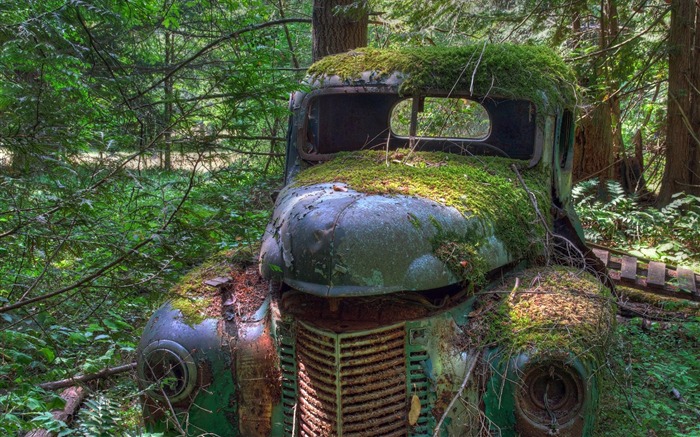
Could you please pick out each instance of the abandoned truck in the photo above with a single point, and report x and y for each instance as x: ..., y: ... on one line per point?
x: 422, y: 273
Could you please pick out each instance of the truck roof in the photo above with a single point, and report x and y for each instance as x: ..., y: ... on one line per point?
x: 529, y: 72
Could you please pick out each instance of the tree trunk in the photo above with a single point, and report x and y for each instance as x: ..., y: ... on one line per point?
x: 680, y: 173
x: 594, y: 139
x: 338, y: 26
x: 168, y: 110
x: 593, y: 145
x: 695, y: 110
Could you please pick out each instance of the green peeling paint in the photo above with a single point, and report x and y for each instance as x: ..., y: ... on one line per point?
x: 510, y: 70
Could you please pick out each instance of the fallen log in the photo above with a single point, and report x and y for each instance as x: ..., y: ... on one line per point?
x: 68, y: 382
x: 73, y: 396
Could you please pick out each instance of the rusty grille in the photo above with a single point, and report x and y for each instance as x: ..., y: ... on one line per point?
x: 352, y: 385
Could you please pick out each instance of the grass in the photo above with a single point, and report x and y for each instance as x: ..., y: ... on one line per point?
x: 653, y: 384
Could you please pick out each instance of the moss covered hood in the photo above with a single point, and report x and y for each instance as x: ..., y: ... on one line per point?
x: 369, y: 223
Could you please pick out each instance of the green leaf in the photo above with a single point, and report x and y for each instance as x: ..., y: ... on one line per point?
x: 77, y: 337
x: 48, y: 354
x: 19, y: 357
x: 35, y: 405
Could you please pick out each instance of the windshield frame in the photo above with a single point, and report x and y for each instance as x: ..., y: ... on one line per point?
x: 423, y: 143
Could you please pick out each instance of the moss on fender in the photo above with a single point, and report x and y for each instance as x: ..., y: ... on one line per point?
x: 554, y: 311
x: 509, y: 70
x: 197, y: 301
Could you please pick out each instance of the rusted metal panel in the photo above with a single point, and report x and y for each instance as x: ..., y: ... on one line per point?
x: 686, y: 280
x: 257, y: 373
x: 656, y: 275
x: 629, y: 268
x: 352, y: 384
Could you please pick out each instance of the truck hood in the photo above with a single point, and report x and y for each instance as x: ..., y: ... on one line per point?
x: 329, y: 239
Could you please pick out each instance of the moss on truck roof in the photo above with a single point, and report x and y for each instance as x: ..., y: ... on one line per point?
x: 528, y: 72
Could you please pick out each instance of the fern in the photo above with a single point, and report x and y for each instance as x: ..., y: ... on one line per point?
x: 99, y: 417
x: 670, y: 234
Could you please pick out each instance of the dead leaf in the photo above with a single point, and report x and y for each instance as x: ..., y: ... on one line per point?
x: 414, y: 413
x: 339, y: 188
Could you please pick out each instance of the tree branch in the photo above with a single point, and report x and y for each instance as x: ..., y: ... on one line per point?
x: 75, y: 380
x: 115, y: 262
x: 215, y: 43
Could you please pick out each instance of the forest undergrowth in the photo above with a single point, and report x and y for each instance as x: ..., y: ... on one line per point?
x: 98, y: 325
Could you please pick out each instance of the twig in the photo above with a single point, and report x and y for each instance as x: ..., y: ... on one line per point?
x: 73, y: 396
x: 467, y: 377
x: 215, y: 43
x: 476, y: 67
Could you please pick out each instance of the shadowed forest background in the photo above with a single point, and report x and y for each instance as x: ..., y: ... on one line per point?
x: 139, y: 137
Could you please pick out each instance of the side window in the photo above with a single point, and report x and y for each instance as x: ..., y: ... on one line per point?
x: 442, y: 117
x: 566, y: 140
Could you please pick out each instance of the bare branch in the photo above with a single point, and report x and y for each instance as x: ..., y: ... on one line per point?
x: 75, y: 380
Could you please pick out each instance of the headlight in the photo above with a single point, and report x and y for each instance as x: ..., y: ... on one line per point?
x: 167, y: 370
x: 551, y: 395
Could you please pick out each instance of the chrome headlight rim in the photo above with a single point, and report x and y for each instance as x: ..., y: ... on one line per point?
x: 168, y: 371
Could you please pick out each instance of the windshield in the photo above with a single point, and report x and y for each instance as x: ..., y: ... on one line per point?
x: 441, y: 117
x: 348, y: 120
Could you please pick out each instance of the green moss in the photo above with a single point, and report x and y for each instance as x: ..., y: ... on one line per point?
x: 194, y: 310
x: 554, y: 311
x: 664, y: 303
x: 482, y: 187
x: 414, y: 221
x: 529, y: 72
x: 463, y: 259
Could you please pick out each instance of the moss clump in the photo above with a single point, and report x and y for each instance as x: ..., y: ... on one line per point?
x: 197, y: 301
x: 529, y: 72
x: 464, y: 260
x: 195, y: 309
x: 659, y: 302
x: 554, y: 311
x: 482, y: 187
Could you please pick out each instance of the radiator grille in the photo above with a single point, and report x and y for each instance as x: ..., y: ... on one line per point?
x: 420, y: 385
x: 353, y: 384
x: 289, y: 378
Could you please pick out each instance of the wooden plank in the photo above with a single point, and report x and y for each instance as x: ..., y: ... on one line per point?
x: 602, y: 255
x: 686, y: 280
x: 656, y: 276
x: 629, y: 268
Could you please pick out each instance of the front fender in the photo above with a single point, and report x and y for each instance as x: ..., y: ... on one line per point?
x: 186, y: 371
x: 552, y: 332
